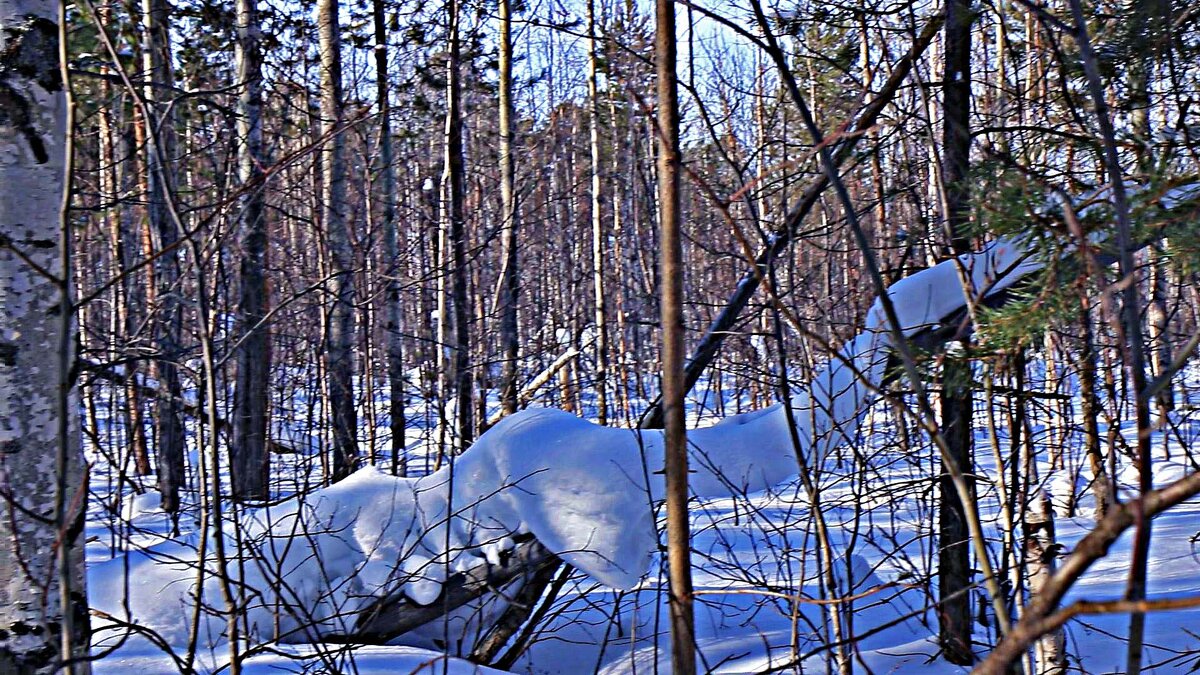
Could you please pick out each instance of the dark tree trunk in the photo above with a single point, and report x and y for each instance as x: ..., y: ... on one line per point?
x: 455, y: 193
x: 954, y: 553
x: 339, y: 347
x: 391, y: 235
x: 250, y: 460
x: 160, y: 147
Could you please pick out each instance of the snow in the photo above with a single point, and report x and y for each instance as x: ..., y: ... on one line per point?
x: 308, y: 565
x: 584, y: 491
x: 579, y: 488
x: 304, y: 658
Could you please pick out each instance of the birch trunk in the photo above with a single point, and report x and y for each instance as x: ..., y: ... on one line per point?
x: 597, y: 222
x: 1050, y: 657
x: 43, y: 604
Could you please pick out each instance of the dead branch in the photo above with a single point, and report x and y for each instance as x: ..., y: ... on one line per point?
x: 1037, y: 617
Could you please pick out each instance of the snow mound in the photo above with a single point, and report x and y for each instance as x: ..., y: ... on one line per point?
x: 588, y: 493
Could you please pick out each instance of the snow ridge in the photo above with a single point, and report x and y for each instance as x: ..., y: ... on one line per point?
x: 587, y: 492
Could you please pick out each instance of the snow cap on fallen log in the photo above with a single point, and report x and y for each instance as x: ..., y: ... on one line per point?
x: 587, y: 492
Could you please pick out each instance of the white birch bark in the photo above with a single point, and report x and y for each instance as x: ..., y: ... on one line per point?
x: 1050, y: 654
x: 32, y: 164
x: 598, y: 234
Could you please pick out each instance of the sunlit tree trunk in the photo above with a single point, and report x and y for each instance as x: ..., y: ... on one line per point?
x: 683, y: 631
x: 1050, y: 656
x: 339, y: 349
x: 160, y: 149
x: 43, y: 603
x: 250, y: 465
x: 510, y: 283
x: 598, y: 248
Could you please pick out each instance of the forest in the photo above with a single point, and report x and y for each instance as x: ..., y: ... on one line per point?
x: 599, y: 336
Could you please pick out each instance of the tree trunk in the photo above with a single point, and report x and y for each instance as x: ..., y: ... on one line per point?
x: 1050, y: 656
x: 455, y: 191
x: 43, y: 601
x: 683, y: 647
x: 250, y: 461
x: 160, y: 148
x: 391, y: 236
x: 601, y: 346
x: 1090, y: 411
x: 954, y: 553
x: 509, y: 284
x: 339, y: 347
x: 1038, y: 614
x: 123, y: 240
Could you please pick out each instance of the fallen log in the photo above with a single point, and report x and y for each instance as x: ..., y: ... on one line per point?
x: 392, y: 616
x: 527, y: 392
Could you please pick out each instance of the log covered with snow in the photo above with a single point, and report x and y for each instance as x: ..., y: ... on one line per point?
x: 374, y: 554
x: 586, y: 493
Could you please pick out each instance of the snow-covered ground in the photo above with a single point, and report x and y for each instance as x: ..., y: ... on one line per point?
x: 778, y: 576
x: 753, y: 551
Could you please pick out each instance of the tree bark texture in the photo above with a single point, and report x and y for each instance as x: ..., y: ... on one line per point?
x: 954, y: 551
x: 510, y: 284
x: 598, y: 234
x: 339, y: 340
x: 1050, y: 657
x: 250, y: 460
x: 683, y: 630
x: 43, y: 603
x: 455, y: 195
x: 391, y: 234
x: 160, y: 148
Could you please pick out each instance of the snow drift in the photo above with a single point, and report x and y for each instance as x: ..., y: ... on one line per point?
x: 585, y: 492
